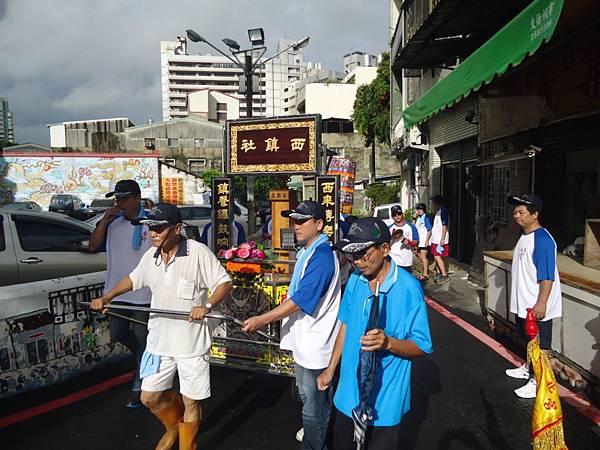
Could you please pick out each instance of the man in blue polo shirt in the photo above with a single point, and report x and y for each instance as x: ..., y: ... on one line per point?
x: 404, y: 334
x: 310, y: 312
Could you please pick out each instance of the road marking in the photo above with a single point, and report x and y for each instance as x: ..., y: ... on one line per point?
x: 584, y: 406
x: 64, y: 401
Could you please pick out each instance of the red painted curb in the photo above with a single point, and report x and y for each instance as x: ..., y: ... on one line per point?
x: 64, y: 401
x: 584, y: 406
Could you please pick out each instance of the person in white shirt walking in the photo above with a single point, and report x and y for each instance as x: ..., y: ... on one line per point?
x: 125, y: 244
x: 405, y: 238
x: 424, y: 227
x: 311, y: 324
x: 440, y: 237
x: 535, y: 280
x: 180, y: 274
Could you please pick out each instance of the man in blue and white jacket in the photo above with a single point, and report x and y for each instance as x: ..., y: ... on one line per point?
x: 535, y: 280
x: 310, y: 312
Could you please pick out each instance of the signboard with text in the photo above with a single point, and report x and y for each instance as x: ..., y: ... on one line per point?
x: 268, y: 145
x: 328, y: 194
x: 222, y: 209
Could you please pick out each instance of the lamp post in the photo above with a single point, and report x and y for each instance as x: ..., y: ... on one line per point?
x: 257, y: 39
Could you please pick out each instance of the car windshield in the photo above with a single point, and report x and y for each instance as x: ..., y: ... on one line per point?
x: 100, y: 202
x: 60, y: 200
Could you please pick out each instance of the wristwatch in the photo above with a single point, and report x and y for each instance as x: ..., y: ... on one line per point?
x: 208, y: 306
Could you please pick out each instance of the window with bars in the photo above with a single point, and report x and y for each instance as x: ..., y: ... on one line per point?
x: 197, y: 166
x: 498, y: 185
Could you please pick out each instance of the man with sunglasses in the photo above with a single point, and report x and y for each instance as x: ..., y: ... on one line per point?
x: 403, y: 334
x: 125, y: 244
x: 180, y: 274
x: 311, y: 324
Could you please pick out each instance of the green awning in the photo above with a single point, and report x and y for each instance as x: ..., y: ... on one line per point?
x: 520, y: 37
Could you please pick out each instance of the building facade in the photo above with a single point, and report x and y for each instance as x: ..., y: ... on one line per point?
x: 98, y: 135
x: 358, y: 59
x: 183, y: 73
x: 7, y: 131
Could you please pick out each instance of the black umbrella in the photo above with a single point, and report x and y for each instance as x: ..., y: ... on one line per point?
x: 367, y: 367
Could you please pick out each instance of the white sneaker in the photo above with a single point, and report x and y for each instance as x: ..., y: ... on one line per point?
x: 300, y: 435
x: 520, y: 372
x: 527, y: 391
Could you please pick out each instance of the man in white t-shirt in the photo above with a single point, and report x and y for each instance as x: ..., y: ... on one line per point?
x: 535, y: 280
x: 180, y: 274
x: 405, y: 239
x: 310, y: 312
x: 125, y: 244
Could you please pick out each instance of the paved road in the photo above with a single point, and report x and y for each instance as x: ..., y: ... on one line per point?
x: 461, y: 400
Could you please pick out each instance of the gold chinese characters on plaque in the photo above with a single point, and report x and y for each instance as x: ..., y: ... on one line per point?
x: 273, y: 145
x: 328, y: 194
x: 222, y: 200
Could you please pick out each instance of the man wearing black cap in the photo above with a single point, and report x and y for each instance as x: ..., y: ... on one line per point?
x: 311, y: 310
x: 125, y: 244
x: 180, y: 274
x: 402, y: 334
x: 535, y: 280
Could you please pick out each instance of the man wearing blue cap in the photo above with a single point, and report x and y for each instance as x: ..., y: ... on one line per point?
x: 125, y: 244
x: 535, y: 280
x: 310, y: 312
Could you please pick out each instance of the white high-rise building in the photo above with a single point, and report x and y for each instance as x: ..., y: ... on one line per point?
x: 358, y: 59
x: 183, y: 73
x: 7, y: 131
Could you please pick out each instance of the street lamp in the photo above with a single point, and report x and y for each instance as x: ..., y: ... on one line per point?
x: 257, y: 39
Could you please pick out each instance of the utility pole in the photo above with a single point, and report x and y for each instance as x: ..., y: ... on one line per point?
x: 250, y: 178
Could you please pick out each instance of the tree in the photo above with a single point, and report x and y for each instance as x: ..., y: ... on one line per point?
x: 371, y: 114
x: 382, y: 194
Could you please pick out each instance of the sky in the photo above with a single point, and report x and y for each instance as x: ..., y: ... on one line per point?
x: 64, y: 60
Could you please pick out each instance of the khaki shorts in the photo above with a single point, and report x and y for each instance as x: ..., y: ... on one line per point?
x: 194, y: 376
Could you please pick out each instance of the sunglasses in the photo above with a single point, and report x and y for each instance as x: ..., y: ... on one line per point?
x: 365, y: 254
x: 159, y: 228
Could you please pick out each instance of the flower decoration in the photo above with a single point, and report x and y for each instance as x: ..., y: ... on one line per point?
x: 246, y: 250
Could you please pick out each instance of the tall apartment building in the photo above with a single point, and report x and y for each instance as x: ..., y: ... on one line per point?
x: 183, y: 73
x: 7, y: 131
x: 358, y: 59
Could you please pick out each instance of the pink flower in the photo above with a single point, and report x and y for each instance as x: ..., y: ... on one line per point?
x: 221, y: 254
x: 243, y: 252
x: 259, y: 254
x: 246, y: 245
x: 228, y: 254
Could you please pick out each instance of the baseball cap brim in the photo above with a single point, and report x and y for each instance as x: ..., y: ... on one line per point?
x: 118, y: 194
x: 516, y: 200
x: 149, y: 222
x: 296, y: 215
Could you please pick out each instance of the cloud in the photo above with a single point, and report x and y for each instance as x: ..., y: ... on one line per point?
x: 71, y: 59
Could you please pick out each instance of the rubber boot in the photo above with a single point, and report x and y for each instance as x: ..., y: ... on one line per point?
x: 187, y: 435
x: 170, y: 417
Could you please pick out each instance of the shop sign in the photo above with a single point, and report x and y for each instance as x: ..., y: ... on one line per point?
x: 172, y: 190
x: 328, y: 194
x: 346, y: 169
x: 259, y: 146
x: 222, y: 207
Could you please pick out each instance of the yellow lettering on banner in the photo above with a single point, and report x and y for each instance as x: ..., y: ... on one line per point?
x: 328, y: 230
x: 298, y: 143
x: 328, y: 215
x: 328, y: 187
x: 223, y: 201
x: 223, y: 228
x: 247, y: 145
x: 224, y: 242
x: 222, y: 214
x: 223, y: 188
x: 271, y: 144
x: 328, y: 200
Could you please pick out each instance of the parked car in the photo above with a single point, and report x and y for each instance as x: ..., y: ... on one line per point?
x: 42, y: 245
x: 69, y: 204
x: 384, y: 212
x: 101, y: 205
x: 26, y: 206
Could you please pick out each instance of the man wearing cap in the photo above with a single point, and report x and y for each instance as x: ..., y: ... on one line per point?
x: 424, y: 227
x: 125, y: 244
x: 405, y: 238
x: 535, y: 280
x: 403, y: 334
x: 311, y: 310
x: 180, y: 274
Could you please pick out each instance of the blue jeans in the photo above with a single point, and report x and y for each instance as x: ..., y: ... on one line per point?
x: 131, y: 335
x: 316, y: 408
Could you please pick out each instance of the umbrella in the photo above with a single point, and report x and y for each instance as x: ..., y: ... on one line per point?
x: 367, y: 367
